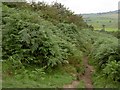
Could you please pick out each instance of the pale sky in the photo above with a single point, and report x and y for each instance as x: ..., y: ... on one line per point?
x: 88, y: 6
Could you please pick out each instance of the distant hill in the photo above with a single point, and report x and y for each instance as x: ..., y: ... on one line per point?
x: 115, y: 11
x: 109, y: 19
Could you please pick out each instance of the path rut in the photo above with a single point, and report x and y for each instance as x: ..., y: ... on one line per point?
x: 86, y: 77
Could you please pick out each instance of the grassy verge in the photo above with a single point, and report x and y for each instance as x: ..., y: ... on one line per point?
x: 36, y: 77
x: 29, y: 78
x: 81, y: 84
x: 48, y: 81
x: 99, y: 80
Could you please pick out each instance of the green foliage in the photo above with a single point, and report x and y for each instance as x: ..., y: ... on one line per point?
x: 40, y: 39
x: 105, y: 54
x: 81, y: 85
x: 35, y: 77
x: 37, y: 41
x: 112, y: 70
x: 100, y: 81
x: 115, y: 33
x: 104, y: 49
x: 55, y: 13
x: 49, y: 36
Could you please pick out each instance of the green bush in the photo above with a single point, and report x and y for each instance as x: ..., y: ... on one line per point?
x: 105, y: 54
x: 37, y: 41
x: 112, y: 70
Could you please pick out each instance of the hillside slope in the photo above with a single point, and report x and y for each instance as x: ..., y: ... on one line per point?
x: 41, y: 50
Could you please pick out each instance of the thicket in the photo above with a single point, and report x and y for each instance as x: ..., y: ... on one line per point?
x: 115, y: 33
x: 31, y: 40
x: 105, y: 54
x: 55, y: 13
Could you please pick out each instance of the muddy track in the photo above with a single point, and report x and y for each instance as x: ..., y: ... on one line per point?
x: 86, y: 77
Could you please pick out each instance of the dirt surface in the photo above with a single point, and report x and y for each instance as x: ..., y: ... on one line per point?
x: 88, y: 72
x: 86, y: 77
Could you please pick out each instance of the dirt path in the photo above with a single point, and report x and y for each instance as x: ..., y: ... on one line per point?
x: 86, y: 77
x: 88, y: 72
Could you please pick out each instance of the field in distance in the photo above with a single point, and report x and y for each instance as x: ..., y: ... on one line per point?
x: 108, y: 19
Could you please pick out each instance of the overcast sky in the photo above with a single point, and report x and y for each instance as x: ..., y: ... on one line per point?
x: 88, y: 6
